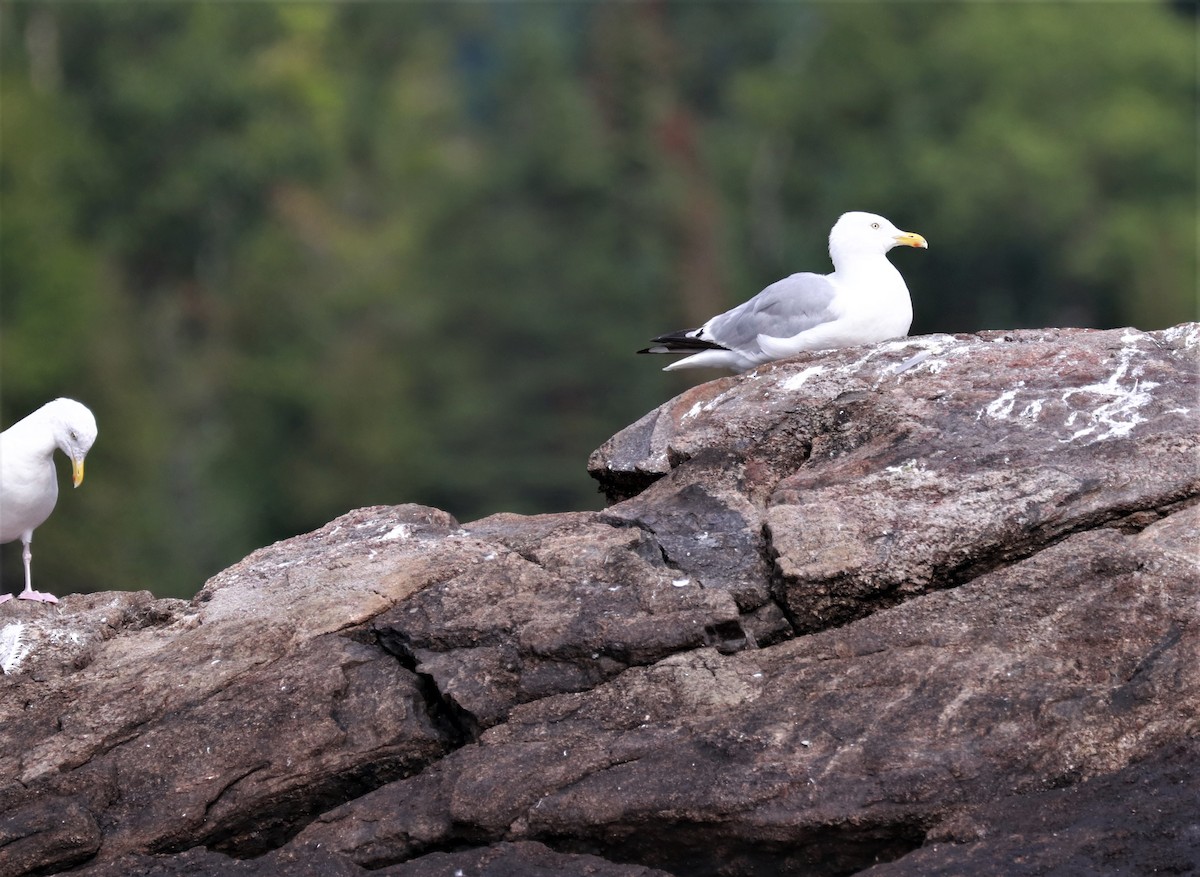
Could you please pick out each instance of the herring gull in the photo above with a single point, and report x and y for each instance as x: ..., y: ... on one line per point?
x: 864, y: 301
x: 28, y: 481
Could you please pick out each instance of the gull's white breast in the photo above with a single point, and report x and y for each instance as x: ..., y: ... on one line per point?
x: 28, y: 491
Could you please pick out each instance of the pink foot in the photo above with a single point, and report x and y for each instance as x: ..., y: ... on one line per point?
x: 4, y: 598
x: 38, y: 596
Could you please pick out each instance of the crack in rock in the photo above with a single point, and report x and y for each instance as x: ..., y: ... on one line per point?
x: 396, y: 685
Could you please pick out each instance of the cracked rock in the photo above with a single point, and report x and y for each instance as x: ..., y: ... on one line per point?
x: 830, y: 752
x: 929, y: 607
x: 931, y: 460
x: 559, y: 603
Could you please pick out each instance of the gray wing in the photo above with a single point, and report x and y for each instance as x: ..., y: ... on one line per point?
x: 785, y: 308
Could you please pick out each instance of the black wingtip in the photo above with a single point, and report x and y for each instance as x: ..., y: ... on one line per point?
x: 681, y: 342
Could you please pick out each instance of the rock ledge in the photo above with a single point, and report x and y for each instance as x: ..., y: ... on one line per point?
x: 930, y: 607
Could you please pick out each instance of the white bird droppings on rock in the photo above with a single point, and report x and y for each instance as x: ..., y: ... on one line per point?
x: 1117, y: 417
x: 795, y: 382
x: 13, y: 647
x: 400, y: 531
x: 1002, y: 406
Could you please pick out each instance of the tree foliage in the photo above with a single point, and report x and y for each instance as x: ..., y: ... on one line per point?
x: 300, y: 258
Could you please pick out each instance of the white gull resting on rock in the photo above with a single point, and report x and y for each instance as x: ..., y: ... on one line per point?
x: 28, y: 481
x: 864, y: 301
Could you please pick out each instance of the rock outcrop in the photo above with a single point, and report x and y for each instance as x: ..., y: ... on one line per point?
x: 930, y: 607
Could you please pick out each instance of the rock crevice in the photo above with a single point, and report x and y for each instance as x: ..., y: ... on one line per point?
x: 930, y: 607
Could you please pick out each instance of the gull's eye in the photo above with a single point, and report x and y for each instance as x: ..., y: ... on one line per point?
x: 74, y: 437
x: 874, y: 225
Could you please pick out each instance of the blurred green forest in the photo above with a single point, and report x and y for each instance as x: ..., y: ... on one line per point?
x: 301, y: 258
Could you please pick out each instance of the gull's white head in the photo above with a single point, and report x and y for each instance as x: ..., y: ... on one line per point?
x: 74, y: 429
x: 868, y: 234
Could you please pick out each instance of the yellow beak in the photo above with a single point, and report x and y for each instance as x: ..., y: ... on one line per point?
x: 912, y: 239
x: 77, y: 472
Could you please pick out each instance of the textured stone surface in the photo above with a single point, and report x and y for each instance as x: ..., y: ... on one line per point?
x: 916, y: 465
x: 1141, y: 819
x: 830, y: 751
x: 524, y: 859
x: 555, y: 603
x: 925, y: 608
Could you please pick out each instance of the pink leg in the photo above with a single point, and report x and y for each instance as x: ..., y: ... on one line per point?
x: 29, y: 593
